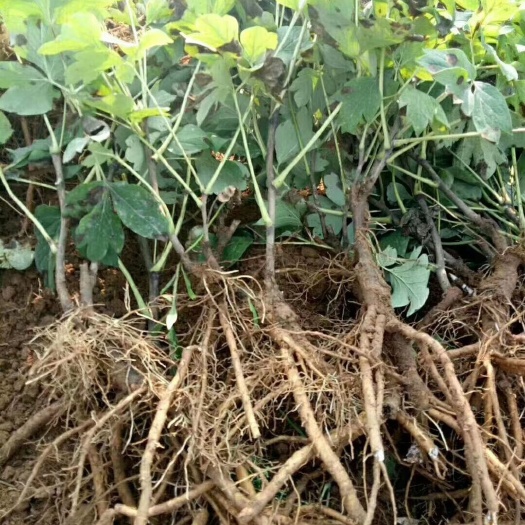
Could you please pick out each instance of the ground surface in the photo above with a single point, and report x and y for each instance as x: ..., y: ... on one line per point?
x: 24, y: 306
x: 308, y: 352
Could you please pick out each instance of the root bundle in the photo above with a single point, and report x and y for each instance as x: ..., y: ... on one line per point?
x: 265, y: 422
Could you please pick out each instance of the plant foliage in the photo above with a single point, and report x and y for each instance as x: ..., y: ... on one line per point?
x: 162, y: 104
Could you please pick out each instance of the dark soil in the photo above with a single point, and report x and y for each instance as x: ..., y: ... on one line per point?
x: 24, y: 306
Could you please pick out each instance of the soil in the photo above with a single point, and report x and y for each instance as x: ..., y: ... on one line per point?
x: 24, y: 306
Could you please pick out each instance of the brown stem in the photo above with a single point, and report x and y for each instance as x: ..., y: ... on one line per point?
x: 41, y: 459
x: 99, y: 482
x: 234, y: 497
x: 60, y: 266
x: 157, y: 425
x: 332, y: 463
x: 485, y: 225
x: 404, y: 356
x: 261, y: 499
x: 371, y: 338
x: 88, y: 280
x: 474, y: 446
x: 168, y: 506
x: 239, y: 375
x: 225, y: 235
x: 441, y: 274
x: 28, y: 429
x: 201, y: 517
x: 87, y: 440
x: 119, y: 469
x: 188, y: 264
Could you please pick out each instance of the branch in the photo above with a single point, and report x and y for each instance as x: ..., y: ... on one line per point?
x: 30, y: 427
x: 441, y: 274
x: 154, y: 435
x: 330, y: 459
x: 171, y: 505
x: 486, y: 225
x: 60, y: 269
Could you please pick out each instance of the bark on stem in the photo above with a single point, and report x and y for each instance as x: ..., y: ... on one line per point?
x: 60, y: 264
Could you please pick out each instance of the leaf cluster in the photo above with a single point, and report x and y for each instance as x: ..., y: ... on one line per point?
x: 163, y: 110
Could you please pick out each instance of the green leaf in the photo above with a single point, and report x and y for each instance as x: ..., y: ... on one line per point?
x: 16, y: 13
x: 33, y: 35
x: 217, y: 7
x: 303, y: 86
x: 286, y: 215
x: 90, y: 64
x: 488, y: 157
x: 332, y: 222
x: 380, y: 34
x: 236, y: 248
x: 191, y: 139
x: 422, y: 109
x: 387, y: 257
x: 256, y: 41
x: 361, y: 100
x: 99, y: 230
x: 49, y: 218
x: 232, y: 174
x: 157, y: 10
x: 80, y: 31
x: 334, y: 59
x: 409, y: 280
x: 206, y: 104
x: 77, y: 145
x: 151, y: 38
x: 287, y: 47
x: 466, y: 191
x: 336, y: 19
x: 508, y: 70
x: 214, y: 31
x: 286, y: 141
x: 491, y: 15
x: 34, y: 99
x: 99, y: 155
x: 137, y: 116
x: 334, y: 192
x: 135, y: 153
x: 16, y: 74
x: 401, y: 191
x: 116, y: 105
x: 83, y: 198
x: 450, y: 68
x: 37, y: 152
x: 490, y: 113
x: 5, y: 129
x: 139, y: 210
x: 396, y: 240
x: 63, y: 9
